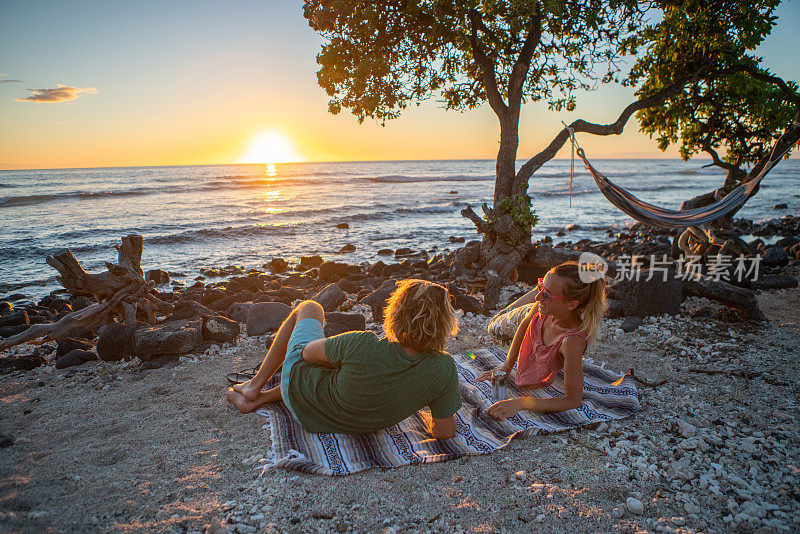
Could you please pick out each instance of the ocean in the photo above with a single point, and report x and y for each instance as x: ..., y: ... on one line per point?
x: 217, y: 215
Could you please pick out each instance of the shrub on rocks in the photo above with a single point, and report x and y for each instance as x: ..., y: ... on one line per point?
x: 264, y: 317
x: 330, y: 297
x: 116, y: 341
x: 643, y: 297
x: 75, y: 357
x: 170, y: 338
x: 220, y: 329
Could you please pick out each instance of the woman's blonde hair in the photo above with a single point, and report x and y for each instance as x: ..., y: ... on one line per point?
x: 591, y: 296
x: 419, y: 315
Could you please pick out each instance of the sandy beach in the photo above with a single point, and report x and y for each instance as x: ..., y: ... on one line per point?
x: 120, y: 447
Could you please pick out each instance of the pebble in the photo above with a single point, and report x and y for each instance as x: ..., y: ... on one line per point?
x: 521, y: 475
x: 634, y: 506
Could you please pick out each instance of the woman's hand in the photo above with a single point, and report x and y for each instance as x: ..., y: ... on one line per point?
x: 506, y: 408
x: 487, y: 375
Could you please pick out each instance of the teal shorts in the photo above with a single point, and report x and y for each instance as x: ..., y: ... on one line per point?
x: 303, y: 333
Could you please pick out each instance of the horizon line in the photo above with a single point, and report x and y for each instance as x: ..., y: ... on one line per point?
x: 312, y: 163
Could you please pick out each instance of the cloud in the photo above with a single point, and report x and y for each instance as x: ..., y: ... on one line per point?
x: 64, y: 93
x: 3, y: 79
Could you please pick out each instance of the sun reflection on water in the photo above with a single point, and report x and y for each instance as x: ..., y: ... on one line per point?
x: 271, y: 170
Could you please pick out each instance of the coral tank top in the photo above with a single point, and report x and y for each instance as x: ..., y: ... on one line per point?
x: 538, y: 364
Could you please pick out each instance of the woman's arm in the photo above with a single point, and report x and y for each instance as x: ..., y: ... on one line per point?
x: 572, y: 348
x: 513, y: 352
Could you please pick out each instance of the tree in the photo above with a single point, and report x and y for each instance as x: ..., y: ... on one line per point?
x: 383, y: 55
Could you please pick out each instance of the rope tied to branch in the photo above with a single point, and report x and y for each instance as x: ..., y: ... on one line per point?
x: 571, y: 132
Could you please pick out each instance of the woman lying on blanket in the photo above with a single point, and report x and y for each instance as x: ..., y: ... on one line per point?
x: 355, y: 383
x: 554, y: 324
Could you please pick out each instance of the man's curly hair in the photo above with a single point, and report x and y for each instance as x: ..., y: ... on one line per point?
x: 419, y: 315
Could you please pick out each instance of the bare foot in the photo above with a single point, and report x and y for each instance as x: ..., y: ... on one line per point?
x: 246, y: 405
x: 250, y: 390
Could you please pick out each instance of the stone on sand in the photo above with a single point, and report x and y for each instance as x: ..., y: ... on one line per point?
x: 264, y: 317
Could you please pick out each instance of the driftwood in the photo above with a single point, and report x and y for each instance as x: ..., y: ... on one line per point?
x: 736, y: 297
x: 121, y: 290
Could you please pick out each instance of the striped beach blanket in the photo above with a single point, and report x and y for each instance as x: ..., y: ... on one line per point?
x: 606, y: 396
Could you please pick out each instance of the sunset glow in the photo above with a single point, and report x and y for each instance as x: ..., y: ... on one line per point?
x: 270, y: 147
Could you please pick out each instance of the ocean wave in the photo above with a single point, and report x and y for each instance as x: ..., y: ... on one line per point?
x: 427, y: 209
x: 219, y: 233
x: 402, y: 179
x: 30, y: 200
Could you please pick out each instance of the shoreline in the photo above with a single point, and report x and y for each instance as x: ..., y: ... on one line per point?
x: 153, y: 446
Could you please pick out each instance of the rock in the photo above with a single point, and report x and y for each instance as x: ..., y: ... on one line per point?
x: 347, y: 286
x: 6, y: 306
x: 277, y: 265
x: 238, y: 311
x: 774, y: 281
x: 630, y: 323
x: 377, y: 301
x: 352, y: 321
x: 67, y: 345
x: 614, y: 309
x: 330, y: 268
x: 166, y: 339
x: 15, y: 319
x: 520, y: 475
x: 220, y: 329
x: 347, y: 248
x: 330, y: 297
x: 158, y: 276
x: 187, y: 309
x: 782, y: 206
x: 21, y: 363
x: 691, y: 508
x: 75, y: 357
x: 116, y: 341
x: 752, y: 509
x: 385, y: 252
x: 8, y: 331
x: 79, y: 303
x: 403, y: 251
x: 656, y: 296
x: 634, y: 506
x: 343, y: 226
x: 6, y: 441
x: 309, y: 262
x: 617, y: 513
x: 462, y: 301
x: 785, y: 242
x: 265, y: 317
x: 774, y: 257
x: 686, y: 429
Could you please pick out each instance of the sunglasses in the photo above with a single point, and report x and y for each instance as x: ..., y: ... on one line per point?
x: 546, y: 295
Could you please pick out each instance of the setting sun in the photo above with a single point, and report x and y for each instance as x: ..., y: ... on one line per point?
x: 270, y: 147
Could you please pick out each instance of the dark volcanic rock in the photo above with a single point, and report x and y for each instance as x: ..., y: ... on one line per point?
x: 462, y: 301
x: 277, y: 265
x: 614, y: 309
x: 656, y: 296
x: 775, y: 257
x: 6, y: 306
x: 781, y: 206
x: 264, y: 317
x: 116, y: 341
x: 330, y: 297
x: 330, y: 268
x: 774, y: 281
x: 21, y: 363
x: 186, y: 309
x: 385, y: 252
x: 350, y: 321
x: 67, y: 345
x: 75, y: 357
x: 377, y: 301
x: 81, y: 302
x: 347, y: 248
x: 309, y: 262
x: 631, y: 323
x: 343, y: 226
x: 238, y: 311
x: 158, y: 276
x: 15, y: 319
x: 376, y: 269
x: 220, y: 329
x: 170, y: 338
x: 347, y: 286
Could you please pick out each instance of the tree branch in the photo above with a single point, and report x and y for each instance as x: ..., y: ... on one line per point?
x: 520, y: 71
x: 487, y: 68
x: 479, y: 223
x: 615, y: 128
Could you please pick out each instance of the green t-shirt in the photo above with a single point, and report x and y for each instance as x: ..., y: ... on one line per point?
x: 373, y: 384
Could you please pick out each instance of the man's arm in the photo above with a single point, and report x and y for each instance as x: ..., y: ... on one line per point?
x: 443, y: 428
x: 314, y: 353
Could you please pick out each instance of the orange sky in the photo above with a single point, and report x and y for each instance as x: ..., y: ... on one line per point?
x: 193, y: 84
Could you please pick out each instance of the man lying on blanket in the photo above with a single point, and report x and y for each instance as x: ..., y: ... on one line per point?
x: 355, y: 383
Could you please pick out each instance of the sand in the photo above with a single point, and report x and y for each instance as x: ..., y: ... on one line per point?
x: 115, y: 448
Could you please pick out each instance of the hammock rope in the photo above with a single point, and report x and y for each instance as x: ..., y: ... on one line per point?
x: 666, y: 218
